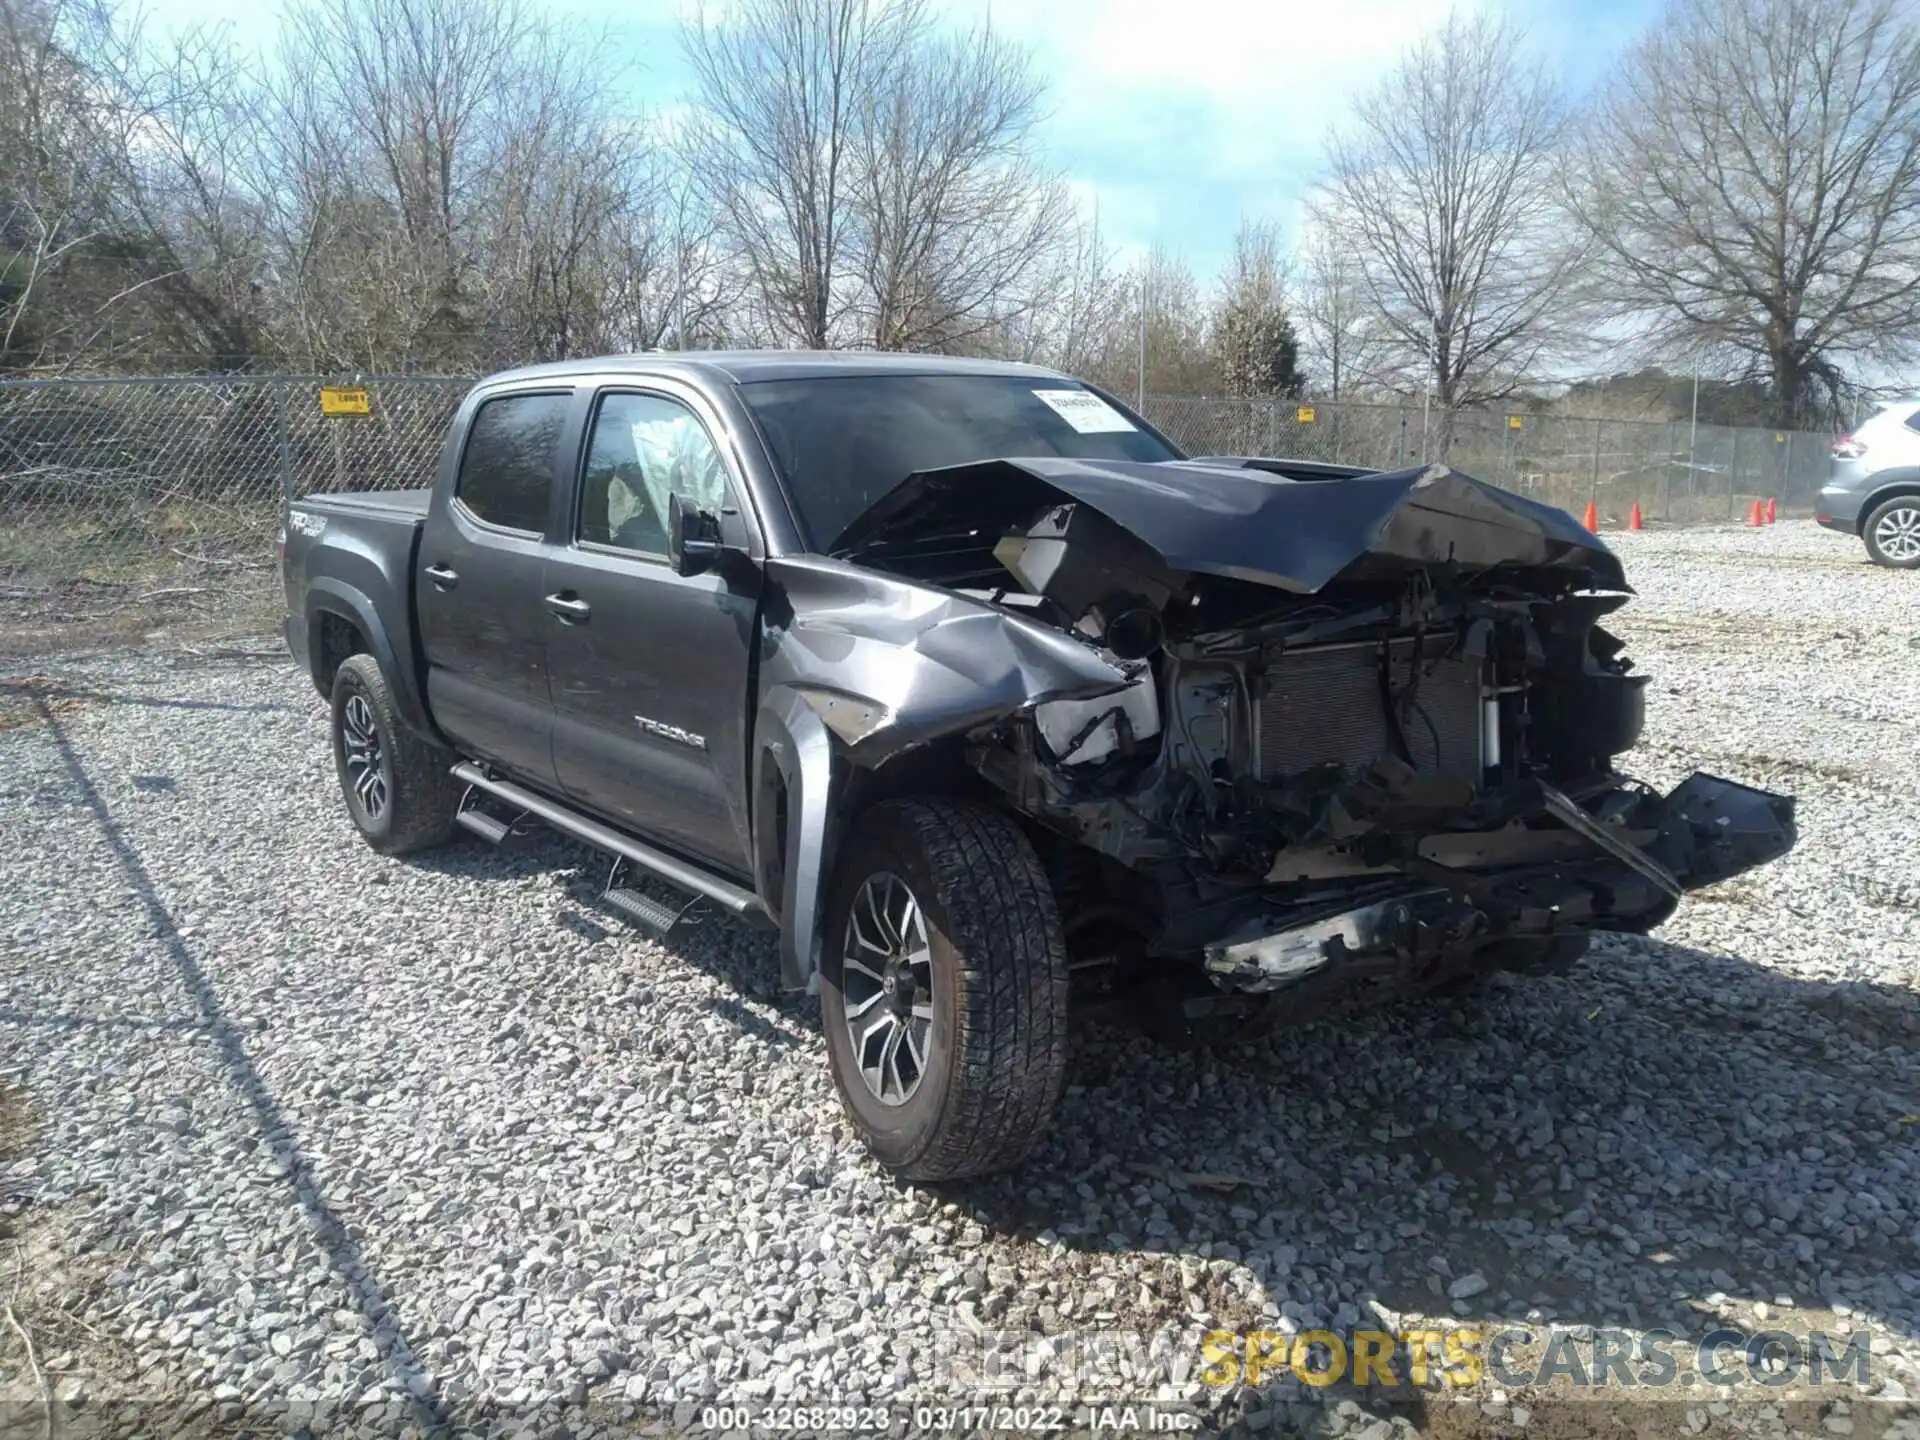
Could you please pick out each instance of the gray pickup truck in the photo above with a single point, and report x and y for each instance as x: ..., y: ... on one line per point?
x: 965, y: 681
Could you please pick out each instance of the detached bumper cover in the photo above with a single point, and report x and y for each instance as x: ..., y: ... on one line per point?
x: 1711, y: 830
x: 1717, y: 829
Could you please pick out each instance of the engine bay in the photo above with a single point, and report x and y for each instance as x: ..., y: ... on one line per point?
x: 1385, y: 754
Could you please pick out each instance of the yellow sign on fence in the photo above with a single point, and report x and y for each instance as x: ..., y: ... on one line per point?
x: 1513, y: 422
x: 1304, y: 415
x: 337, y: 401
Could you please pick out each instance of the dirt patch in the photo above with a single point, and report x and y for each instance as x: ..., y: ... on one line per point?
x: 49, y: 1355
x: 28, y: 699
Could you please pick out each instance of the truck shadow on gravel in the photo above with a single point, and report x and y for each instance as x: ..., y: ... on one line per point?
x: 1662, y: 1125
x: 1663, y: 1137
x: 737, y: 956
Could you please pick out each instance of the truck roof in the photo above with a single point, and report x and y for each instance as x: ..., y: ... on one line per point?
x: 748, y: 365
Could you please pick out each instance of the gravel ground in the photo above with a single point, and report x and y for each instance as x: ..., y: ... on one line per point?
x: 357, y: 1144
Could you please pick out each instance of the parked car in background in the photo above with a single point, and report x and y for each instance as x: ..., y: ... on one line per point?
x: 1874, y: 491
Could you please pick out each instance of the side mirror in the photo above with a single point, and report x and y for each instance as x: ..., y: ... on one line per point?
x: 693, y: 538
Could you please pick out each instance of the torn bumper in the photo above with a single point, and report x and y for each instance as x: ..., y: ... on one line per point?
x: 1718, y: 828
x: 1709, y: 830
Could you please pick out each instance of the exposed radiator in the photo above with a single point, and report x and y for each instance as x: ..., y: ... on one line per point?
x: 1325, y: 705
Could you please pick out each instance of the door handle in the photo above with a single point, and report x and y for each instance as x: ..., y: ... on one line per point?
x: 442, y: 577
x: 570, y: 608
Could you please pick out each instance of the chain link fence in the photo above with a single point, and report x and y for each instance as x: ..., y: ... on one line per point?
x: 1678, y: 473
x: 144, y: 510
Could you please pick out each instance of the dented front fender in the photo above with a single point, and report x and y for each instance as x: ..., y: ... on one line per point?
x: 889, y: 664
x: 854, y: 669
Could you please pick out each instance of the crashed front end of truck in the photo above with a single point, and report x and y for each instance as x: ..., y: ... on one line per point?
x: 1330, y: 736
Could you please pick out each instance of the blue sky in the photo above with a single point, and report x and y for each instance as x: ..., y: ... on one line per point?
x: 1179, y: 116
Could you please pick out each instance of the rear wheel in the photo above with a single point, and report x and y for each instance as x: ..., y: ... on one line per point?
x: 1892, y: 533
x: 944, y: 988
x: 398, y: 787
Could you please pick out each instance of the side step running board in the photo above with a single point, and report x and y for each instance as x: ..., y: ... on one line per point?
x: 645, y: 911
x: 675, y: 871
x: 484, y: 825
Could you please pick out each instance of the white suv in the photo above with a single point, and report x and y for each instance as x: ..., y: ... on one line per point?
x: 1874, y: 491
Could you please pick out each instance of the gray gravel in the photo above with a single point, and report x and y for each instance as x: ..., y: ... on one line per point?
x: 392, y: 1138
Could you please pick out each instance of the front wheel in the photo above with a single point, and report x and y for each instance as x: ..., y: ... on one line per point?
x: 944, y: 988
x: 1892, y: 533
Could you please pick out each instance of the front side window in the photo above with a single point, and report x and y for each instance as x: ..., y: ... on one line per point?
x: 506, y: 472
x: 644, y: 450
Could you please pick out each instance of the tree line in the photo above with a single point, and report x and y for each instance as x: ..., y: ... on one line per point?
x: 457, y: 185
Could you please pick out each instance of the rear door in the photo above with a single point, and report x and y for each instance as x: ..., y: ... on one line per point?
x: 478, y: 585
x: 650, y: 671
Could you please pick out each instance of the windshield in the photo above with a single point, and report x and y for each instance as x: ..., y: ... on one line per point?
x: 843, y: 441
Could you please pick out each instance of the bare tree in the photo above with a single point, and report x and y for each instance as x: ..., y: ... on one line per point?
x: 51, y: 201
x: 127, y: 233
x: 672, y: 281
x: 877, y: 177
x: 1445, y: 183
x: 1340, y: 328
x: 954, y: 210
x: 454, y: 180
x: 1752, y: 176
x: 186, y: 185
x: 776, y: 143
x: 1179, y: 360
x: 1076, y: 321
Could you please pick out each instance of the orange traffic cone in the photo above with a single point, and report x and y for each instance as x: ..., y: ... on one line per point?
x: 1592, y: 518
x: 1634, y: 522
x: 1757, y: 515
x: 1773, y: 508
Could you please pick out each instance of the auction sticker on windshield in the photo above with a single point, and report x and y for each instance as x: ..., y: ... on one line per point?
x: 1085, y: 411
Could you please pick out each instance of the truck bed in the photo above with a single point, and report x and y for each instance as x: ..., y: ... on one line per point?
x: 385, y: 504
x: 348, y: 562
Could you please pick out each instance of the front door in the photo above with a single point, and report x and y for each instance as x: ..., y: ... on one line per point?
x: 479, y: 587
x: 649, y: 669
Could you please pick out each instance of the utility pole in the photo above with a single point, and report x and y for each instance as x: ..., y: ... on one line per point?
x: 1693, y: 426
x: 1426, y: 404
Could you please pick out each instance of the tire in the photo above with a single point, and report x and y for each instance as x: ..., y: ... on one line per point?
x: 1892, y: 533
x: 416, y: 793
x: 992, y: 1049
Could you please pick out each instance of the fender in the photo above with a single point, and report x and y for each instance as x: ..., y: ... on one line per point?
x: 1886, y: 484
x: 326, y: 595
x: 858, y: 668
x: 792, y: 863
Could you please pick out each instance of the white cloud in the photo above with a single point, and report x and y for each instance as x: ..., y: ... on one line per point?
x: 1169, y: 105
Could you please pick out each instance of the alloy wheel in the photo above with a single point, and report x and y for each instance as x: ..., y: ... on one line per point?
x: 369, y: 773
x: 1898, y: 533
x: 887, y: 986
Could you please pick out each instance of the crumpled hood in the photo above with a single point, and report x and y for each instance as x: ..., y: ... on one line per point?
x: 1229, y: 519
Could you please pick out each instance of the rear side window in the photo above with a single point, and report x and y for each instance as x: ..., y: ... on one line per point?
x: 506, y: 474
x: 1913, y: 420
